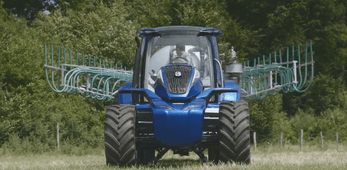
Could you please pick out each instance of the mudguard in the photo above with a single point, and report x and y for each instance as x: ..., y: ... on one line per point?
x: 124, y: 98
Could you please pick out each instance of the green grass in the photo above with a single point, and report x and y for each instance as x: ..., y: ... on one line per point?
x: 270, y: 157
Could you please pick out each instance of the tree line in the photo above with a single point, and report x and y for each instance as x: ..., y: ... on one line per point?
x: 29, y: 109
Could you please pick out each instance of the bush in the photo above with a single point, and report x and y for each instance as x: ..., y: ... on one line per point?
x: 263, y: 114
x: 281, y: 123
x: 333, y: 121
x: 307, y: 122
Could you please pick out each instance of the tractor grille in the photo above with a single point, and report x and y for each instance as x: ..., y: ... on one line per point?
x: 177, y: 78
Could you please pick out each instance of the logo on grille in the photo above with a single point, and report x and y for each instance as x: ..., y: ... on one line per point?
x: 178, y: 74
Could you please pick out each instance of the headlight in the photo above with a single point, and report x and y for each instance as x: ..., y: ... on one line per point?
x: 160, y: 78
x: 232, y: 96
x: 196, y: 76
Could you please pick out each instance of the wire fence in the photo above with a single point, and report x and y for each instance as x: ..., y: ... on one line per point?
x: 301, y: 139
x: 281, y: 143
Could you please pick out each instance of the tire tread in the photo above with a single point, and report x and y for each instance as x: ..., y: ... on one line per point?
x: 235, y: 145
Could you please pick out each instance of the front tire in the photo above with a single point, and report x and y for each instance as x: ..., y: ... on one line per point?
x: 234, y: 132
x: 120, y: 148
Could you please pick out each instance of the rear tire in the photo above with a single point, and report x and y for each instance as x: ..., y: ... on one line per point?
x: 234, y: 132
x: 120, y: 148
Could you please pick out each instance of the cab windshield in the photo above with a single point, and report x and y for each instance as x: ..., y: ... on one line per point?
x: 179, y: 49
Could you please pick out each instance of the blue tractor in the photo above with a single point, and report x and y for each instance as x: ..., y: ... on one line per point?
x: 178, y: 99
x: 177, y: 96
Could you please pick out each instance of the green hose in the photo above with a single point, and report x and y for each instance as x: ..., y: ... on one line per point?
x: 64, y: 74
x: 263, y: 80
x: 93, y: 82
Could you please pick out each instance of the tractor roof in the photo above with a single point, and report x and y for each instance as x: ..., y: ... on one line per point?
x: 179, y: 30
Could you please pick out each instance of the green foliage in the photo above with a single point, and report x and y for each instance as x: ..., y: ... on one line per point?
x: 105, y: 32
x: 307, y: 122
x: 277, y: 24
x: 29, y: 109
x: 281, y: 124
x: 329, y: 123
x: 263, y: 114
x: 77, y: 5
x: 332, y: 122
x: 23, y: 8
x: 202, y: 13
x: 325, y: 93
x: 152, y: 13
x: 34, y: 118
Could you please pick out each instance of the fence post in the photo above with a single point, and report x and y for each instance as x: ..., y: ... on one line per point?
x: 255, y: 140
x: 58, y: 141
x: 281, y: 140
x: 301, y: 138
x: 337, y: 141
x: 321, y: 139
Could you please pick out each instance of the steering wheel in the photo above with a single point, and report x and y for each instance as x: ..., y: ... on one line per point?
x: 180, y: 60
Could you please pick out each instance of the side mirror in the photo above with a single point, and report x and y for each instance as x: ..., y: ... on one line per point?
x: 153, y: 75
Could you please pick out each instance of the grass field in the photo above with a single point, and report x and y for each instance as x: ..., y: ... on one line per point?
x: 268, y: 158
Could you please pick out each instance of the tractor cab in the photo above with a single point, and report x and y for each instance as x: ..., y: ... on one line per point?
x: 191, y: 54
x: 177, y: 63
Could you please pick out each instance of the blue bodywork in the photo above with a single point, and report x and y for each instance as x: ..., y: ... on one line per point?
x: 125, y: 98
x: 177, y: 124
x: 235, y: 96
x: 178, y: 118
